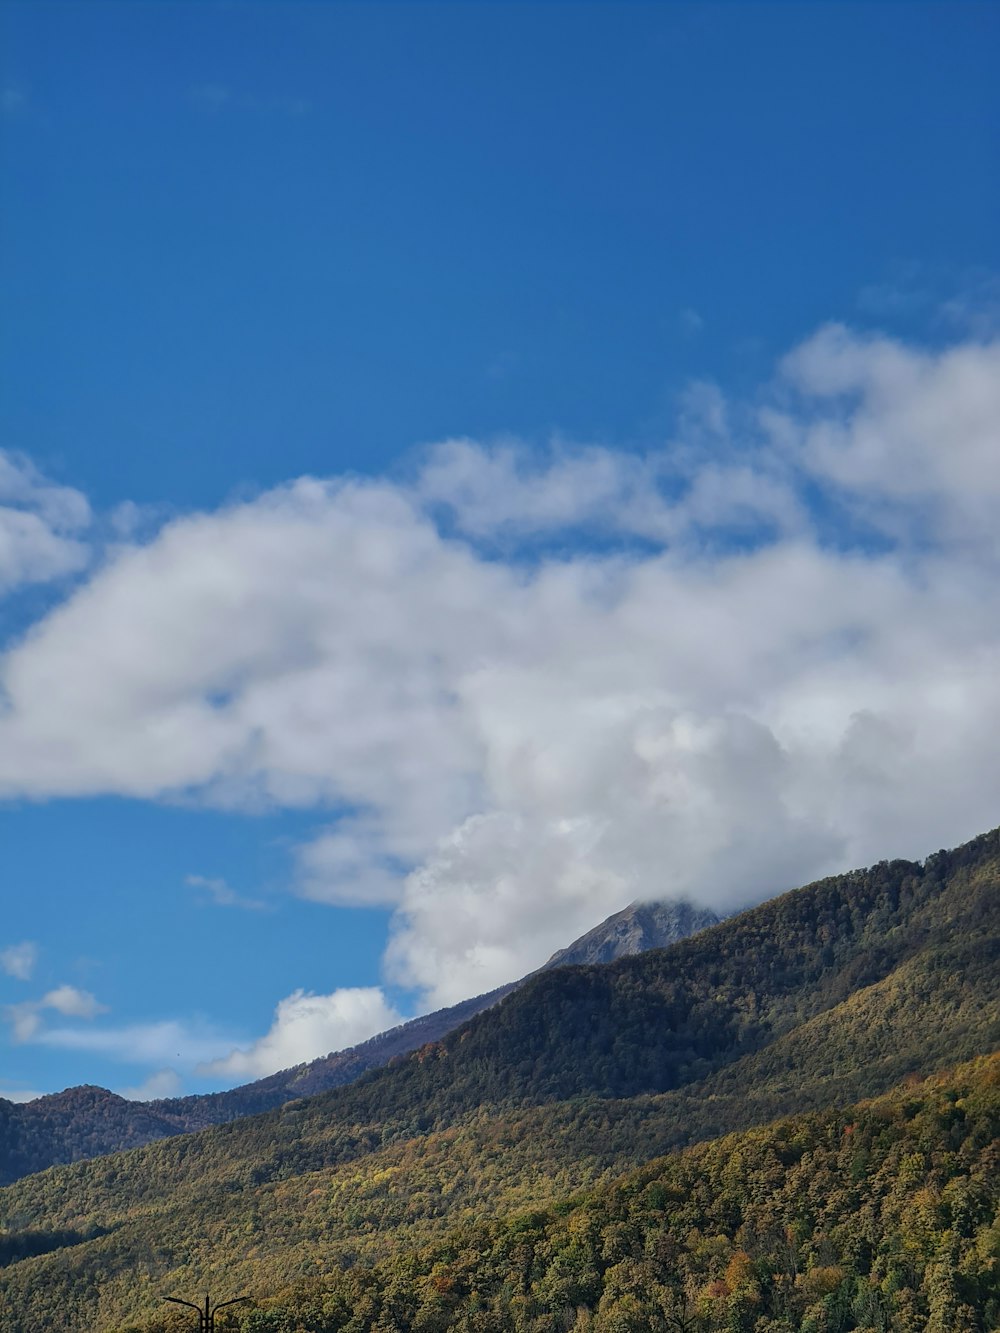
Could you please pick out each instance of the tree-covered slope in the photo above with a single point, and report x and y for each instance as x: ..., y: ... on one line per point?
x: 879, y: 1216
x: 80, y: 1122
x: 328, y: 1071
x: 823, y: 996
x: 882, y: 1216
x: 86, y: 1122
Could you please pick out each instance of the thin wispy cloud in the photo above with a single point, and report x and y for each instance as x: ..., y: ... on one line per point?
x: 691, y: 322
x: 218, y: 892
x: 217, y: 97
x: 12, y: 1092
x: 27, y: 1019
x: 169, y: 1043
x: 42, y: 526
x: 19, y: 960
x: 958, y: 302
x: 160, y: 1084
x: 210, y: 95
x: 13, y: 99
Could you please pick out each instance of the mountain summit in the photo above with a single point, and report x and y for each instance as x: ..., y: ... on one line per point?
x: 634, y: 929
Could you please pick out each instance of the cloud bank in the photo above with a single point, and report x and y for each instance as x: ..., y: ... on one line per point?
x: 528, y: 687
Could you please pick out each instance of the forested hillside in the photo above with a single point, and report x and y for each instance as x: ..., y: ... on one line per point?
x: 87, y: 1121
x: 814, y: 1000
x: 880, y: 1216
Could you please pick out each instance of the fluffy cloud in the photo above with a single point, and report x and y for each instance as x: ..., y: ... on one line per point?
x: 680, y: 497
x: 163, y: 1083
x: 26, y: 1019
x: 18, y: 960
x: 72, y: 1002
x: 306, y: 1026
x: 507, y: 489
x: 347, y: 866
x: 919, y: 437
x: 529, y: 688
x: 40, y: 525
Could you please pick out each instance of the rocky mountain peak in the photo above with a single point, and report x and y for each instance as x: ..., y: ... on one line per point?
x: 634, y: 929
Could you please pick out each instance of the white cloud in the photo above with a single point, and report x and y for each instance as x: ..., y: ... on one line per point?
x: 26, y: 1019
x: 72, y: 1002
x: 307, y: 1026
x: 163, y: 1083
x: 974, y: 309
x: 18, y: 960
x: 920, y: 442
x: 508, y: 489
x: 19, y: 1094
x: 523, y: 690
x: 161, y: 1044
x: 219, y: 893
x: 40, y: 525
x: 346, y: 866
x: 690, y: 322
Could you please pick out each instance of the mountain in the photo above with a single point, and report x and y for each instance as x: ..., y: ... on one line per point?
x: 88, y: 1121
x: 637, y: 928
x: 883, y: 1215
x: 80, y: 1122
x: 328, y: 1071
x: 811, y: 1002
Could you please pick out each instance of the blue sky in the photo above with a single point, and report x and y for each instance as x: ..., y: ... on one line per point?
x: 642, y: 357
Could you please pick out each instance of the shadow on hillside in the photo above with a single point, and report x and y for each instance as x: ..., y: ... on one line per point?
x: 18, y: 1245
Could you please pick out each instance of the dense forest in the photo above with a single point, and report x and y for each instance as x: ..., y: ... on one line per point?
x: 883, y: 1216
x: 812, y: 1001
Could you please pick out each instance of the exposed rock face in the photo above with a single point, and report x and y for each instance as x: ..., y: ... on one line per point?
x: 634, y: 929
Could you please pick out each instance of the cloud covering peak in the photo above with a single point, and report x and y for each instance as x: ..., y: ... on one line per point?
x: 529, y: 688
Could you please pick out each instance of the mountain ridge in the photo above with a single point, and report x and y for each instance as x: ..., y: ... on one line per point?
x: 816, y: 1223
x: 828, y: 995
x: 637, y: 928
x: 89, y: 1121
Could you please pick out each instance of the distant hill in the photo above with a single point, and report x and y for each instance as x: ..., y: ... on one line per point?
x: 80, y: 1122
x: 809, y: 1003
x: 88, y: 1121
